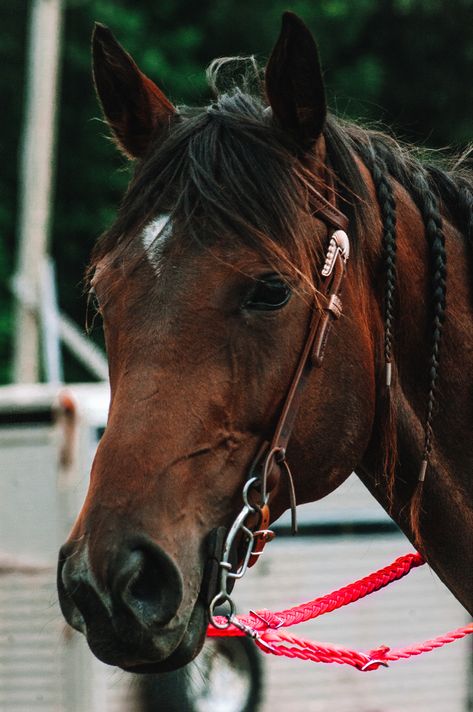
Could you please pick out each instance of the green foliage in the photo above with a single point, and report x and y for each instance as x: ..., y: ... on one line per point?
x: 404, y: 63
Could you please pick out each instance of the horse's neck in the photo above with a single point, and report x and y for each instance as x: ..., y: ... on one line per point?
x: 446, y: 518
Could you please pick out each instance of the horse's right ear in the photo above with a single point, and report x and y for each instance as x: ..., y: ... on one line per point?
x: 134, y: 107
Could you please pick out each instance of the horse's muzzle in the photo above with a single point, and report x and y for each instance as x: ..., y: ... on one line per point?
x: 129, y: 617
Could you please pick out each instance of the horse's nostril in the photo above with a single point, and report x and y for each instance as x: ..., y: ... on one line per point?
x: 148, y: 582
x: 76, y: 592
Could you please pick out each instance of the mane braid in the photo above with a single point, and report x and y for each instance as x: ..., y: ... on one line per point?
x: 457, y: 195
x: 416, y: 178
x: 427, y: 186
x: 438, y: 258
x: 387, y: 206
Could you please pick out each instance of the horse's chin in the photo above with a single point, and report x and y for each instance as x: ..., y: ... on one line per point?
x: 153, y: 658
x: 189, y: 647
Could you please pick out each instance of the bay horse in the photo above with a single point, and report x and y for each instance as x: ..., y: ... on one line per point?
x: 207, y: 282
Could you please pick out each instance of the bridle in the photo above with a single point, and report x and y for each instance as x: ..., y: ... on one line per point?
x: 326, y: 309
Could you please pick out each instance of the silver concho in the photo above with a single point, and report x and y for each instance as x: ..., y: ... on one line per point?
x: 339, y: 243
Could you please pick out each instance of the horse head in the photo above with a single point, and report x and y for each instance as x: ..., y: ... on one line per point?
x: 207, y: 284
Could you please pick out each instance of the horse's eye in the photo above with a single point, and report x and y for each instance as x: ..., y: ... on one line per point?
x: 268, y: 293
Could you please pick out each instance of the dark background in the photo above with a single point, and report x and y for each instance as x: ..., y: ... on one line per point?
x: 406, y: 64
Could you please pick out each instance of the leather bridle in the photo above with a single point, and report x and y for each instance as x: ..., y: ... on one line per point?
x: 327, y: 308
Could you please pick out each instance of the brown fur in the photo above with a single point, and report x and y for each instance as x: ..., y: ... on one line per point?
x: 198, y: 380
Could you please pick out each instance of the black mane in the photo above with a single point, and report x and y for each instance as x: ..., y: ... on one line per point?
x: 227, y: 169
x: 450, y: 178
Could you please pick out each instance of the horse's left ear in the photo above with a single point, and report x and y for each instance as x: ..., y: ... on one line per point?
x: 294, y: 84
x: 134, y: 107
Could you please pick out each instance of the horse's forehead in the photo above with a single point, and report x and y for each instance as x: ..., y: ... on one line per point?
x: 158, y: 237
x: 154, y: 236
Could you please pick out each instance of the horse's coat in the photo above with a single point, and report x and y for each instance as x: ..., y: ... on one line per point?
x: 204, y: 335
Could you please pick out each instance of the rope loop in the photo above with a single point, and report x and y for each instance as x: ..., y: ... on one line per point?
x: 264, y: 626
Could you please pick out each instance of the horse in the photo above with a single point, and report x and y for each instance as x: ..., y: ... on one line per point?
x: 207, y: 283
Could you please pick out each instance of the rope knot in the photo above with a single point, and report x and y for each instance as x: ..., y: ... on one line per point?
x: 376, y: 658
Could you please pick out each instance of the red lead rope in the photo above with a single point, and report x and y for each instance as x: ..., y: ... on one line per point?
x: 264, y: 626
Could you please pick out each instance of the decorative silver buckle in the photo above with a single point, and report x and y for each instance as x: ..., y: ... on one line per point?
x: 339, y: 244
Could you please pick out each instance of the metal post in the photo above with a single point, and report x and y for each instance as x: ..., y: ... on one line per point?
x: 84, y: 349
x: 36, y: 174
x: 50, y: 330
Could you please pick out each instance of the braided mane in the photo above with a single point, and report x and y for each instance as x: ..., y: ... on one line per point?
x: 435, y: 190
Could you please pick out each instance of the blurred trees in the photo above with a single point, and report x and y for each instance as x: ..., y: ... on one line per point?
x: 405, y: 63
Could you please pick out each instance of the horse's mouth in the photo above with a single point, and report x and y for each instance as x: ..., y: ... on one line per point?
x: 141, y: 653
x: 133, y: 636
x: 140, y: 650
x: 119, y: 641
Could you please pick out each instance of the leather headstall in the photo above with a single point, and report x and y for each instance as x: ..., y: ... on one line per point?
x: 233, y: 551
x: 327, y: 309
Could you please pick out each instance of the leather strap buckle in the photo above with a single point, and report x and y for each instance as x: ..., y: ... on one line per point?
x: 334, y: 306
x: 262, y: 536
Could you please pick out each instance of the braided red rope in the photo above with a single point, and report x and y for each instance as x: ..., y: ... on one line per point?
x: 264, y: 625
